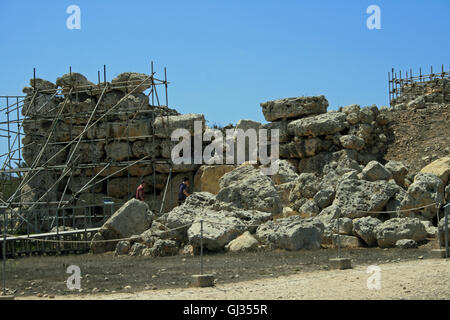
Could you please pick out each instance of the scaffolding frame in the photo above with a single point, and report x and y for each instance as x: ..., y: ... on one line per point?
x: 14, y: 166
x: 397, y: 82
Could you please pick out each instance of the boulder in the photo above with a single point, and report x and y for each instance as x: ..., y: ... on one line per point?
x: 122, y: 248
x: 392, y: 230
x: 74, y: 79
x: 281, y: 126
x: 327, y: 123
x: 306, y: 186
x: 118, y: 151
x: 43, y: 85
x: 131, y: 82
x: 163, y: 126
x: 346, y: 241
x: 207, y: 177
x: 134, y: 217
x: 248, y: 188
x: 345, y: 226
x: 365, y: 229
x: 398, y: 170
x: 374, y: 171
x: 351, y: 141
x: 431, y: 230
x: 294, y: 107
x: 137, y: 249
x: 324, y: 197
x: 356, y: 198
x: 440, y: 167
x: 162, y: 248
x: 219, y: 228
x: 426, y: 189
x: 286, y: 172
x: 292, y: 233
x: 309, y: 209
x: 406, y: 244
x: 245, y: 242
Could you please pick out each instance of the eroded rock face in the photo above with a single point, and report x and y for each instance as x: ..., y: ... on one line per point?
x: 245, y: 242
x: 365, y: 229
x: 294, y: 107
x: 292, y: 233
x: 134, y: 217
x: 248, y: 188
x: 164, y: 126
x: 374, y: 171
x: 392, y: 230
x: 398, y: 170
x: 426, y: 189
x: 440, y: 167
x: 356, y: 197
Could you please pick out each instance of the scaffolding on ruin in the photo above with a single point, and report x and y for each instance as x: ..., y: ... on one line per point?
x: 14, y: 166
x: 400, y: 84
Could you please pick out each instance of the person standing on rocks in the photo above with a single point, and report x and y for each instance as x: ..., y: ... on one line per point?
x: 140, y: 191
x: 182, y: 190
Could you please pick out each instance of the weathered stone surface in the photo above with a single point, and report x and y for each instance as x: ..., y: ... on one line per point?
x: 376, y: 171
x: 118, y: 151
x: 324, y: 197
x: 207, y: 177
x: 143, y: 148
x: 286, y: 172
x: 245, y: 242
x: 164, y: 126
x: 346, y: 241
x: 136, y: 249
x: 327, y: 123
x: 121, y: 187
x: 284, y: 191
x: 43, y: 85
x: 281, y: 126
x: 219, y: 228
x: 356, y: 197
x: 134, y: 128
x: 122, y: 248
x: 345, y: 226
x: 131, y: 82
x: 440, y: 168
x: 395, y: 229
x: 292, y: 233
x: 309, y: 209
x: 304, y: 148
x: 74, y: 79
x: 431, y: 230
x: 398, y: 170
x: 426, y: 189
x: 163, y: 247
x: 365, y: 229
x: 293, y: 107
x: 406, y: 244
x: 352, y: 142
x: 306, y: 186
x: 248, y: 188
x: 134, y: 217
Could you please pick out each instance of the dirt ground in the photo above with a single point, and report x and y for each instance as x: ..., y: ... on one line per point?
x: 304, y: 274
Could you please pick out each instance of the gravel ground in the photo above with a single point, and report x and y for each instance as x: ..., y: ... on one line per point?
x: 106, y: 276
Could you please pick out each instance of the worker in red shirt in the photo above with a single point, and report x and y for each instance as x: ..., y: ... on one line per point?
x: 140, y: 191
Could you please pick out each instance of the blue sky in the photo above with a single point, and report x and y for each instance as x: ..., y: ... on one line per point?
x: 225, y: 57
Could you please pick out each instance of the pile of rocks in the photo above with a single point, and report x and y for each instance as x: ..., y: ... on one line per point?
x: 419, y: 95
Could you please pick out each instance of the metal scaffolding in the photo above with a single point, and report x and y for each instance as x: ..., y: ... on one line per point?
x: 15, y: 173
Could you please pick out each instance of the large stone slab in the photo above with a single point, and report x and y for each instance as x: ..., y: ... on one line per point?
x: 294, y: 107
x: 323, y: 124
x: 163, y: 126
x: 357, y: 197
x: 392, y: 230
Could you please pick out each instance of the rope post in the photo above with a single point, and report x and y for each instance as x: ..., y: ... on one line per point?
x: 201, y: 247
x: 4, y: 253
x: 339, y: 236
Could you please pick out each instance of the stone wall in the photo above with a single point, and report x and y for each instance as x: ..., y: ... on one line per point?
x: 125, y: 128
x: 418, y: 94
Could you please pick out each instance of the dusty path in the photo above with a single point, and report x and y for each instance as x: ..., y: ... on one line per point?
x: 416, y: 279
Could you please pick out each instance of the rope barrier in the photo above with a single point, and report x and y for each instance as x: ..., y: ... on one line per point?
x: 193, y: 222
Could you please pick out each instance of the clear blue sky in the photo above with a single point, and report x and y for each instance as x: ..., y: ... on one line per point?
x: 225, y: 57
